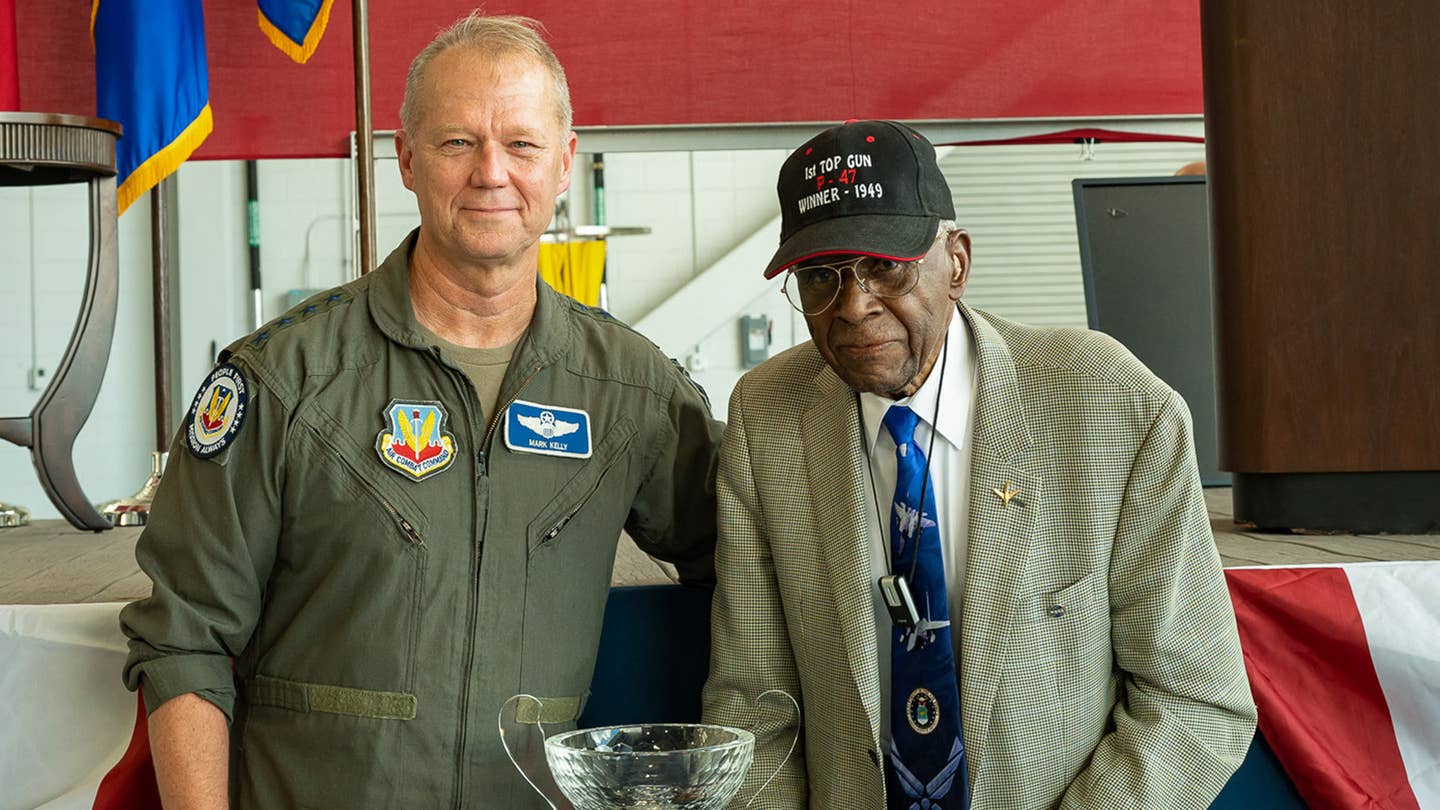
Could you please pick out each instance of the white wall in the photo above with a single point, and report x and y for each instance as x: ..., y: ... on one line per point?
x: 698, y: 206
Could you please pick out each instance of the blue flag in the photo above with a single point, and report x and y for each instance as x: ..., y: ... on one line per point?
x: 150, y: 76
x: 295, y: 26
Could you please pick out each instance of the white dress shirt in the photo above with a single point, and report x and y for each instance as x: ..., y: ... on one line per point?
x: 949, y: 466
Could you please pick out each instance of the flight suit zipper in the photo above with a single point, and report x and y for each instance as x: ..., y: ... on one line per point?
x: 410, y: 533
x: 483, y: 455
x: 555, y: 530
x: 482, y: 460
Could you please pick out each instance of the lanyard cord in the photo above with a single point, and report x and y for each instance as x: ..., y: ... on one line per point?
x: 929, y: 454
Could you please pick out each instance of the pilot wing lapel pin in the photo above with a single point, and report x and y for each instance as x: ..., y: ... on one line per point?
x: 1005, y: 495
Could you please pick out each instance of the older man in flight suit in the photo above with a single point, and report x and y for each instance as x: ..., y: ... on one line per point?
x: 398, y: 504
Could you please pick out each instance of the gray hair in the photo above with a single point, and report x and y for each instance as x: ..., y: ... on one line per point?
x: 493, y: 37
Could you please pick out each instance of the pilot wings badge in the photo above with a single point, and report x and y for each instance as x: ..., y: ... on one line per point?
x: 547, y: 429
x: 415, y: 444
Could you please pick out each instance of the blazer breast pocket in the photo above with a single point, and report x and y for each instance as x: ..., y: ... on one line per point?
x: 1055, y: 625
x: 1062, y: 662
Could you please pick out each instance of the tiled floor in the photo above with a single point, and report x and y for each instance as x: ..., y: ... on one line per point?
x: 48, y: 562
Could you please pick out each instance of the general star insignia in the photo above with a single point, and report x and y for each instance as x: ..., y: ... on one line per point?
x: 1005, y: 495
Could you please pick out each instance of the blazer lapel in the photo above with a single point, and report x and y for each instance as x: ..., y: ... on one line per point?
x: 1000, y: 529
x: 834, y: 456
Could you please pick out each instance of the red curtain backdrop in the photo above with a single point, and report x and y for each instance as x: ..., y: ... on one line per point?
x: 683, y: 62
x: 9, y: 59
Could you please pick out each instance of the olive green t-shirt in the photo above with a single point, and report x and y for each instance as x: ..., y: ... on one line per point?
x: 484, y: 367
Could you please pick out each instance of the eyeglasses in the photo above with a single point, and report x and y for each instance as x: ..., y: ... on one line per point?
x: 812, y: 289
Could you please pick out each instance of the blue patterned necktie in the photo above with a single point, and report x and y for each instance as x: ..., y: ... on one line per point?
x: 926, y: 762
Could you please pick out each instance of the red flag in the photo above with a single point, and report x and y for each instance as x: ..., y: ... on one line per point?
x: 1344, y: 665
x: 130, y: 785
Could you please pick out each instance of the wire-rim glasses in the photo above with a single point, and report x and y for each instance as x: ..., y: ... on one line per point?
x: 813, y: 288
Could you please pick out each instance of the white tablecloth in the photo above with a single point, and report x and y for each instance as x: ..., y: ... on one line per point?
x: 66, y: 718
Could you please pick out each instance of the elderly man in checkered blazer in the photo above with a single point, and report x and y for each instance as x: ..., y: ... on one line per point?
x: 975, y: 552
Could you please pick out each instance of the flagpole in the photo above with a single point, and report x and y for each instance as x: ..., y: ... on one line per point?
x: 160, y: 226
x: 252, y: 231
x: 364, y: 138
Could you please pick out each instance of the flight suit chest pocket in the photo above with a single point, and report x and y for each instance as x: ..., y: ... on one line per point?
x: 601, y: 477
x: 355, y: 484
x: 347, y: 531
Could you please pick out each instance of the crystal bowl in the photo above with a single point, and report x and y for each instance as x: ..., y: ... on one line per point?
x: 660, y: 765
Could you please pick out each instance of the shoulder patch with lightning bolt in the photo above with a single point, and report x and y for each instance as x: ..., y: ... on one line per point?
x: 217, y: 412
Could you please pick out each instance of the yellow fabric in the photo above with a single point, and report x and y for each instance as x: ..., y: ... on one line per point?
x: 574, y: 269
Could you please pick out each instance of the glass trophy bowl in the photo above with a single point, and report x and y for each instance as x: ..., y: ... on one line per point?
x: 654, y: 765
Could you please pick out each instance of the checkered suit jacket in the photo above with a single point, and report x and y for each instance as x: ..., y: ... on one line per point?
x: 1133, y: 696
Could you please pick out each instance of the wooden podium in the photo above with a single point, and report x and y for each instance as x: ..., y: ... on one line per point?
x: 1324, y: 172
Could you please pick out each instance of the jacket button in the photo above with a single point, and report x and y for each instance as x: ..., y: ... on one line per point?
x: 874, y: 757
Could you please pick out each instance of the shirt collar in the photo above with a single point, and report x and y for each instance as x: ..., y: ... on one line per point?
x: 959, y: 366
x: 547, y: 338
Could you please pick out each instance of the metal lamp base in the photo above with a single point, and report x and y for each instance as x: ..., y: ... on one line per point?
x: 135, y: 510
x: 12, y: 516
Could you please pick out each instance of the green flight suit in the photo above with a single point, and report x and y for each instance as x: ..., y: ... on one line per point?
x: 377, y: 622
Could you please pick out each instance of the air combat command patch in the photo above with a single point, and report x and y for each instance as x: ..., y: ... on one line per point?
x: 415, y: 443
x: 217, y: 413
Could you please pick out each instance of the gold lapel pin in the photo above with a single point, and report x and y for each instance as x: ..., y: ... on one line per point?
x: 1005, y: 495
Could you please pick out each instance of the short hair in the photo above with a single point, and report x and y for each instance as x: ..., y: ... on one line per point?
x: 511, y: 35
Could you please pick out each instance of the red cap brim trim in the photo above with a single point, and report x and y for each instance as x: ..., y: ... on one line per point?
x: 786, y: 266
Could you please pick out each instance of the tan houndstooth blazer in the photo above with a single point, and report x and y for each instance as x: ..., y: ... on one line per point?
x: 1100, y: 666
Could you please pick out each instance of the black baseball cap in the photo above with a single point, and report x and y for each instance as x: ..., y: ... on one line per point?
x: 867, y: 187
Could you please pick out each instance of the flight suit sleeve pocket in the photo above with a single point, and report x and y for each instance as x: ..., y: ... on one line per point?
x: 549, y: 527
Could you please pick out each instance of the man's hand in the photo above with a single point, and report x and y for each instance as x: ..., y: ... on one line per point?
x: 190, y: 743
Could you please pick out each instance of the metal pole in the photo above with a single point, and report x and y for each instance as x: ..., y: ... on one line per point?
x: 597, y: 168
x: 252, y: 230
x: 364, y: 137
x: 160, y: 300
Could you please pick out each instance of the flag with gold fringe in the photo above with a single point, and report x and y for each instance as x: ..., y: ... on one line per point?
x: 150, y: 76
x: 295, y: 26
